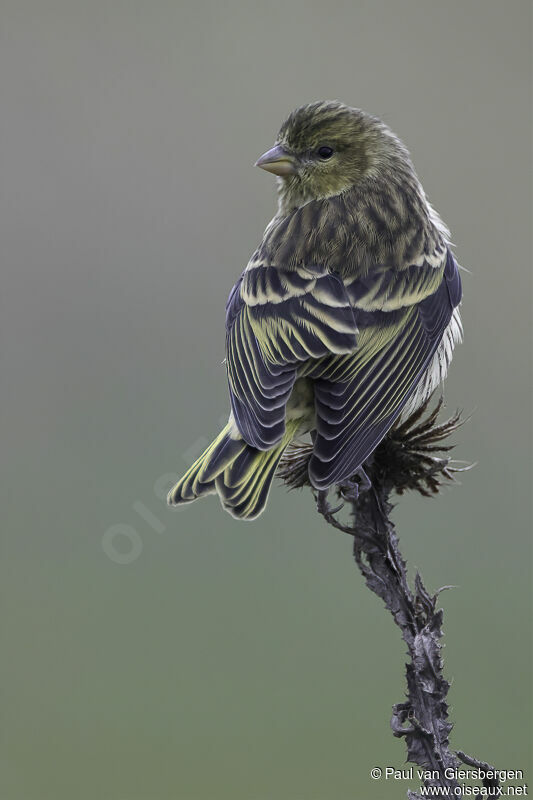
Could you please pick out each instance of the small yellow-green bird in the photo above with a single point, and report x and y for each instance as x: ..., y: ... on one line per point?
x: 345, y: 317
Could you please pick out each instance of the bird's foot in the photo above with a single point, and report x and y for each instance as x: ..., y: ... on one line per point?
x: 348, y: 490
x: 351, y: 489
x: 323, y: 506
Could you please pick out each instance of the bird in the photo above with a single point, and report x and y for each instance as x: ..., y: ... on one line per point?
x: 345, y: 318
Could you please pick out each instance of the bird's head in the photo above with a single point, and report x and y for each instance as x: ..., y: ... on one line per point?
x: 325, y: 148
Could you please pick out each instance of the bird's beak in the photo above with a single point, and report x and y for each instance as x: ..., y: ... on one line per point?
x: 278, y: 161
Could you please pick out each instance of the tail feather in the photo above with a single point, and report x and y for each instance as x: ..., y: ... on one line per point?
x: 247, y: 498
x: 238, y: 473
x: 199, y: 480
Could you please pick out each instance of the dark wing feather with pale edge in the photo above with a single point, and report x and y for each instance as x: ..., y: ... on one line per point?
x: 354, y: 414
x: 275, y: 320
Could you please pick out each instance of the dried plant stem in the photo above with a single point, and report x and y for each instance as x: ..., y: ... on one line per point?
x: 423, y: 719
x: 406, y: 459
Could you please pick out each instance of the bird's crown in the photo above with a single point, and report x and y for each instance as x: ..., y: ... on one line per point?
x: 329, y: 120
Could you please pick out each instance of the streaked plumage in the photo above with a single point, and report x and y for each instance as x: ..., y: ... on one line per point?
x: 345, y: 316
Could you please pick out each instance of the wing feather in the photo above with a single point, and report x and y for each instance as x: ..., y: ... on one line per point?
x: 277, y: 320
x: 355, y: 413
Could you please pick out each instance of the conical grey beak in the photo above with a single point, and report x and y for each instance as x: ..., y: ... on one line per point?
x: 278, y: 161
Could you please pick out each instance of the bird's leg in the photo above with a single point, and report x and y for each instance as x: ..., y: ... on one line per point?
x: 322, y: 503
x: 351, y: 489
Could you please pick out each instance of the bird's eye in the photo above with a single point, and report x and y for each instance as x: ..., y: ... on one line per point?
x: 325, y: 152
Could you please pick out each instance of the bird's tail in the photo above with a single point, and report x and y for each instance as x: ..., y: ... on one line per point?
x: 238, y: 473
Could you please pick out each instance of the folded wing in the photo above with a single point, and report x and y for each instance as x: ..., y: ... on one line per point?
x: 359, y: 397
x: 276, y: 320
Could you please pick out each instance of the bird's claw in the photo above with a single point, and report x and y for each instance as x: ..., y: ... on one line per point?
x: 351, y: 489
x: 323, y: 506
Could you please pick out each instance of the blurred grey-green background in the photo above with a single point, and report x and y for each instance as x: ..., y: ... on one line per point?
x: 152, y: 655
